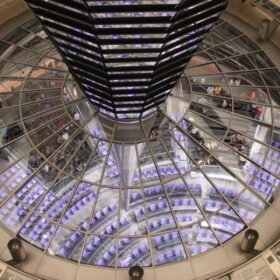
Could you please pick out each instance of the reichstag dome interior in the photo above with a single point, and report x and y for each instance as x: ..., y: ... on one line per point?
x: 140, y: 140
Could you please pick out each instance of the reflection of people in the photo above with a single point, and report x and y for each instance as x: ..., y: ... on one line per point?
x: 240, y: 139
x: 46, y: 169
x: 153, y: 133
x: 76, y: 117
x: 65, y: 136
x: 224, y: 104
x: 242, y: 161
x: 48, y: 151
x: 258, y: 113
x: 50, y: 65
x: 210, y: 90
x: 11, y: 132
x: 217, y: 90
x: 253, y: 96
x: 32, y: 161
x: 237, y: 138
x: 237, y: 82
x: 211, y: 145
x: 210, y: 161
x: 203, y: 101
x: 195, y: 133
x: 232, y: 138
x: 60, y: 125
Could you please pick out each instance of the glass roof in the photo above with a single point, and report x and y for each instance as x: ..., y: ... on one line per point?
x: 185, y: 181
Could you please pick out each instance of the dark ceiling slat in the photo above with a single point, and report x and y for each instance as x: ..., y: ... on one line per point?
x: 131, y: 20
x: 132, y: 31
x: 131, y: 50
x: 124, y: 41
x: 131, y: 68
x: 127, y: 84
x: 130, y: 59
x: 129, y: 75
x: 132, y: 8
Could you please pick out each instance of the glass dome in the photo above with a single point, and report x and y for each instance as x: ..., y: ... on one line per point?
x: 184, y: 181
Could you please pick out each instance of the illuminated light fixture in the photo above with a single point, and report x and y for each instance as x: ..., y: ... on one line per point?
x: 136, y: 272
x: 17, y: 251
x: 249, y: 241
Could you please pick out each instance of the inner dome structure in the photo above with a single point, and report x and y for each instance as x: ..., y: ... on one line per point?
x: 163, y: 188
x: 127, y: 56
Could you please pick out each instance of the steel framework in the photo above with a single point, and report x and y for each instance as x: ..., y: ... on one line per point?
x: 127, y: 55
